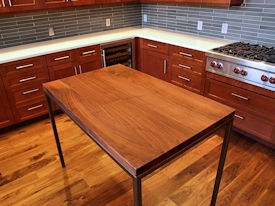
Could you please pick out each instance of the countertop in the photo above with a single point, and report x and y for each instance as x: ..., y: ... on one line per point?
x: 47, y: 47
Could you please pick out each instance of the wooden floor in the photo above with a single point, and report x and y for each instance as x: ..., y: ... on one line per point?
x: 30, y: 172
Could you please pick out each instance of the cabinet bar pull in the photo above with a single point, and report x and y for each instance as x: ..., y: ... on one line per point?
x: 35, y: 107
x: 88, y: 52
x: 185, y: 54
x: 61, y: 58
x: 184, y: 78
x: 183, y: 66
x: 239, y: 96
x: 153, y: 46
x: 238, y: 116
x: 30, y: 91
x: 3, y: 3
x: 80, y: 69
x: 27, y: 79
x: 24, y: 66
x: 104, y: 58
x: 75, y: 70
x: 165, y: 66
x: 10, y: 3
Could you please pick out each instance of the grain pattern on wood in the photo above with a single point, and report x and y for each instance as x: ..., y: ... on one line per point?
x: 138, y: 120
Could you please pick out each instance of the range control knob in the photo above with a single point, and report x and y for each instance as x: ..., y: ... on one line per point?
x: 243, y: 72
x: 264, y: 78
x: 272, y: 80
x: 237, y: 70
x: 213, y: 64
x: 220, y: 65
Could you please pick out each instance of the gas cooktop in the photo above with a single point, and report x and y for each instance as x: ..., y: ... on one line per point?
x: 248, y: 51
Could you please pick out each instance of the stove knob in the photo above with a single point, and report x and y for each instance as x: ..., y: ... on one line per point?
x: 220, y: 65
x: 213, y: 64
x: 264, y: 78
x: 272, y: 80
x: 243, y: 72
x: 237, y: 70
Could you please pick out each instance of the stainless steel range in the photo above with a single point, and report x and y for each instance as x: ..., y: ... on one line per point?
x: 250, y: 63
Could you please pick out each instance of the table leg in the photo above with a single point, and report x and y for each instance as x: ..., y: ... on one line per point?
x: 137, y: 191
x: 228, y: 128
x: 55, y: 131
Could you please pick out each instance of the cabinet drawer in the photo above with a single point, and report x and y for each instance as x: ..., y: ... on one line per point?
x: 240, y: 98
x: 25, y: 79
x: 31, y: 109
x: 255, y: 125
x: 60, y: 58
x: 186, y: 53
x: 193, y: 66
x: 87, y: 54
x: 23, y: 66
x: 155, y: 46
x: 187, y: 80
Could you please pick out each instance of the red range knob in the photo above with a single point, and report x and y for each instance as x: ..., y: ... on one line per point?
x: 213, y: 64
x: 243, y: 72
x: 220, y: 65
x: 264, y: 78
x: 272, y: 80
x: 236, y: 70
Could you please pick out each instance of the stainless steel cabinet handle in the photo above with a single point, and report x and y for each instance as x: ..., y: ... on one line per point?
x: 183, y: 66
x: 184, y: 78
x: 185, y: 54
x: 75, y: 70
x: 61, y: 58
x: 10, y: 3
x: 239, y: 96
x: 27, y: 79
x: 153, y: 46
x: 3, y: 3
x: 30, y: 91
x: 238, y: 116
x: 35, y: 107
x: 24, y: 66
x: 88, y: 52
x: 103, y: 58
x: 80, y: 69
x: 165, y: 66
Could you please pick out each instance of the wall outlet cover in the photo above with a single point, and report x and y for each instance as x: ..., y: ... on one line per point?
x: 108, y: 22
x: 224, y: 28
x: 145, y: 18
x: 199, y: 26
x: 51, y: 31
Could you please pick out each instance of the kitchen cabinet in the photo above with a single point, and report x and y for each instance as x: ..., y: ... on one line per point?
x: 6, y: 117
x: 55, y: 3
x: 23, y: 5
x: 221, y: 3
x: 83, y: 2
x: 3, y: 6
x: 154, y: 58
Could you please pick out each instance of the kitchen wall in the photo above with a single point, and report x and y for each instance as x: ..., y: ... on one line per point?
x: 254, y: 21
x: 33, y: 27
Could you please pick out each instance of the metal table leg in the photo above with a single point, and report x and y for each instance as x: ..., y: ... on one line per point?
x: 55, y: 131
x: 137, y: 191
x: 228, y: 128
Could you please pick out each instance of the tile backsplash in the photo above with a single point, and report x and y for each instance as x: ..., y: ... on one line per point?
x: 33, y: 27
x: 254, y: 21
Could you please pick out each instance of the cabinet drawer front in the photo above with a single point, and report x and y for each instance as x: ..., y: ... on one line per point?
x: 255, y: 125
x: 193, y: 66
x: 31, y: 109
x: 60, y: 58
x: 188, y: 81
x: 241, y: 98
x: 22, y: 66
x: 185, y: 53
x: 155, y: 46
x: 88, y: 53
x: 26, y: 79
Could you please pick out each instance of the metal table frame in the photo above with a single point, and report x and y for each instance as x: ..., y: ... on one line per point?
x: 137, y: 180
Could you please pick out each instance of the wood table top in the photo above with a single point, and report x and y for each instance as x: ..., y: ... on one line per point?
x: 137, y: 119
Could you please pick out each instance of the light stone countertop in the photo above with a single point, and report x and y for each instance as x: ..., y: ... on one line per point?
x: 47, y: 47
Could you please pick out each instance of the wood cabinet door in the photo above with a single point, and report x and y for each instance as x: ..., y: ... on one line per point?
x: 154, y: 64
x: 83, y: 2
x: 55, y: 3
x: 89, y: 66
x: 23, y: 5
x: 62, y: 71
x: 4, y: 6
x: 6, y: 117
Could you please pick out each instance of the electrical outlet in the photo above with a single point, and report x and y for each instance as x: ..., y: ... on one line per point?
x: 200, y: 23
x: 51, y: 31
x: 144, y: 17
x: 108, y: 22
x: 224, y: 28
